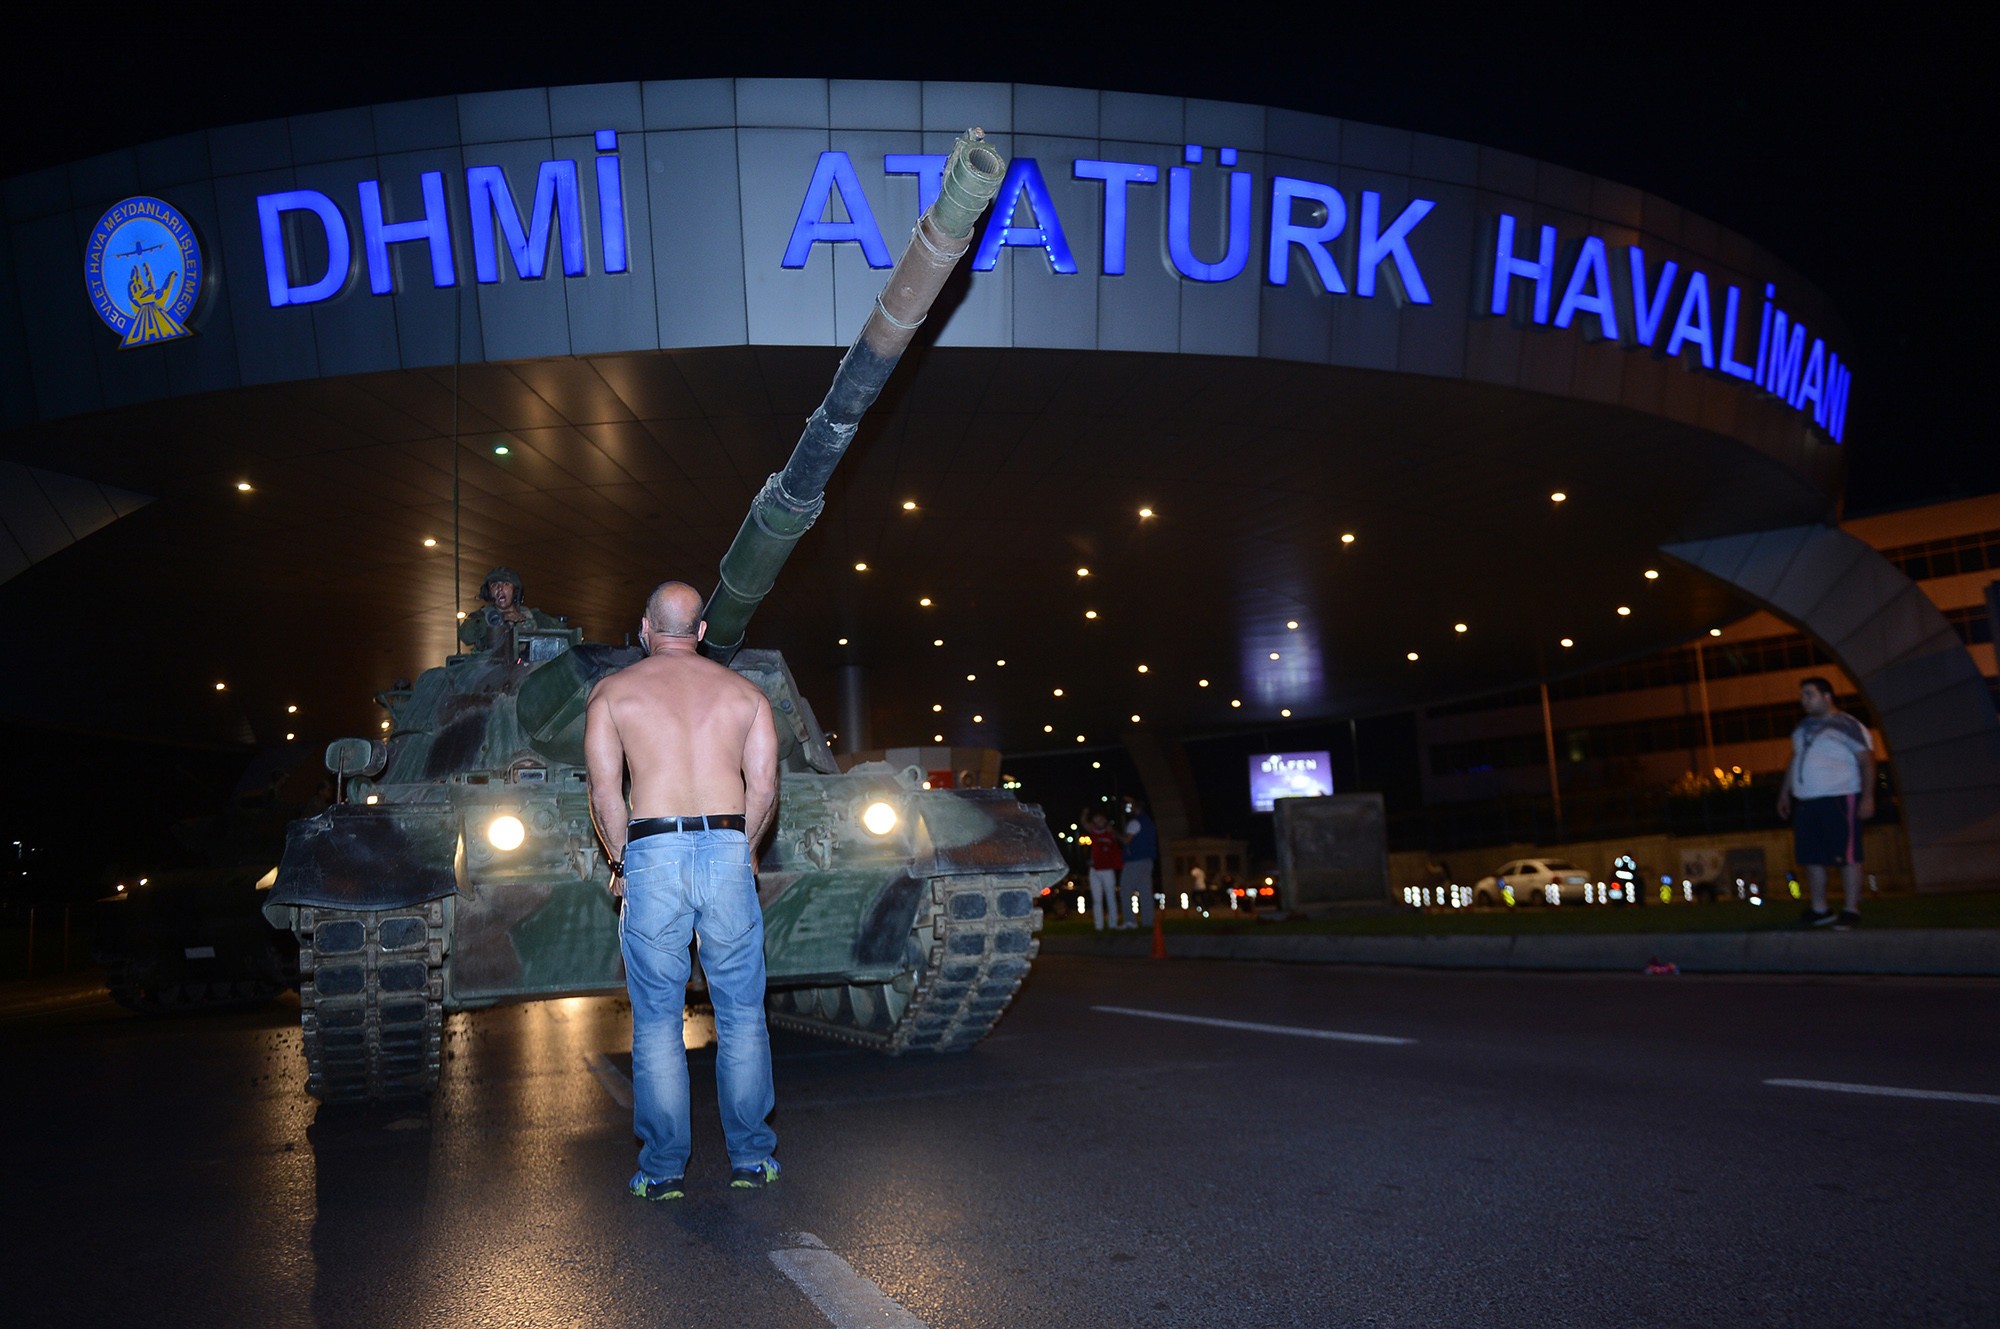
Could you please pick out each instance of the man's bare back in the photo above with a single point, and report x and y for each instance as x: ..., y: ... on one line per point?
x: 697, y: 737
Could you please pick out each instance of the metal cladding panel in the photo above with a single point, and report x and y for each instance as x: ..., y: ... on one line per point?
x: 333, y: 135
x: 781, y: 103
x: 586, y: 108
x: 1143, y: 116
x: 1220, y: 318
x: 1432, y: 339
x: 503, y: 117
x: 38, y: 194
x: 60, y: 350
x: 1140, y: 309
x: 1070, y: 112
x: 953, y: 108
x: 874, y: 104
x: 272, y: 345
x: 1062, y: 313
x: 612, y: 311
x: 1295, y: 320
x: 207, y: 361
x: 699, y: 303
x: 414, y: 126
x: 522, y: 319
x: 97, y: 182
x: 241, y: 149
x: 355, y: 332
x: 786, y: 306
x: 703, y: 103
x: 1443, y: 160
x: 893, y: 201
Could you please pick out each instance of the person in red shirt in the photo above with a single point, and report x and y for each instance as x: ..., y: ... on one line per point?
x: 1107, y: 856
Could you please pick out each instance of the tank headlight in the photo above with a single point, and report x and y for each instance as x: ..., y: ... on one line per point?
x: 879, y: 818
x: 506, y: 832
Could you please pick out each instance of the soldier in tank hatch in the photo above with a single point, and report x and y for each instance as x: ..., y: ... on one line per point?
x: 702, y: 750
x: 505, y: 608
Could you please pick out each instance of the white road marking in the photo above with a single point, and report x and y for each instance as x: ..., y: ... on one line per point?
x: 844, y: 1297
x: 613, y: 1079
x: 1886, y: 1091
x: 1294, y: 1030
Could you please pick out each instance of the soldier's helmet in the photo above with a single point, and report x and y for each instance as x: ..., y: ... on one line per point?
x: 506, y: 575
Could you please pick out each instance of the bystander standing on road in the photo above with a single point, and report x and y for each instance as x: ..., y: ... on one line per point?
x: 1829, y: 791
x: 702, y: 751
x: 1105, y: 858
x: 1142, y: 845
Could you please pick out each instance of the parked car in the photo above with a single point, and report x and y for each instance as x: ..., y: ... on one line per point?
x: 1532, y: 881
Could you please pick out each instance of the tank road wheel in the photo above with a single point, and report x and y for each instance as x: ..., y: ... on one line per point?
x: 970, y: 947
x: 371, y: 998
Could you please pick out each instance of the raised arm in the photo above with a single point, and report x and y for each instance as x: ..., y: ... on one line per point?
x: 604, y: 758
x: 760, y: 772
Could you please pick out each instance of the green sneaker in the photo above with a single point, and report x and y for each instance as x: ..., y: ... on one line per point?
x: 646, y: 1188
x: 755, y: 1177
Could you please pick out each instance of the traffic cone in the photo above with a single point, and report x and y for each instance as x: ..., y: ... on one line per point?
x: 1159, y: 937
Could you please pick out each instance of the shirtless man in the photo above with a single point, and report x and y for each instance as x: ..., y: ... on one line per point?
x: 703, y: 755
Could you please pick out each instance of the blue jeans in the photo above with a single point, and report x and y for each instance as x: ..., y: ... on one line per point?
x: 700, y: 883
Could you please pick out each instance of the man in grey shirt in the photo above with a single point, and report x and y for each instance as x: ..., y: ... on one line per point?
x: 1829, y: 791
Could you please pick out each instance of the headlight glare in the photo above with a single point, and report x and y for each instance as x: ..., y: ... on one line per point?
x: 879, y: 817
x: 506, y: 832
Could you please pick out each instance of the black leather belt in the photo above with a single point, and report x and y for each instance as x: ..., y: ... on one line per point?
x: 642, y: 827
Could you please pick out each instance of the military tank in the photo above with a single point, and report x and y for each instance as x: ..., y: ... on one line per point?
x: 459, y: 868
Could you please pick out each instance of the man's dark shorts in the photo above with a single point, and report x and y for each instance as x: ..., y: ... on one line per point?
x: 1826, y: 832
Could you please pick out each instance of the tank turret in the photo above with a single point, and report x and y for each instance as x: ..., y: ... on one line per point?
x: 460, y: 869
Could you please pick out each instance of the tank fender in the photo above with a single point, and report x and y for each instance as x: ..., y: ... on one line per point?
x: 357, y: 856
x: 961, y: 832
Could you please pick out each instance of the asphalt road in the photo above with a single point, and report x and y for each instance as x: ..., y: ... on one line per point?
x: 1591, y: 1150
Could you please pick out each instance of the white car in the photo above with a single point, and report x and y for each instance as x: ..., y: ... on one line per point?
x: 1533, y: 881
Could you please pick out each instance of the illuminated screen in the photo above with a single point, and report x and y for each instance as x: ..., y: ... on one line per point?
x: 1288, y: 775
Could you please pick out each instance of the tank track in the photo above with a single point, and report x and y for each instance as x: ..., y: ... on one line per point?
x: 969, y: 950
x: 371, y: 999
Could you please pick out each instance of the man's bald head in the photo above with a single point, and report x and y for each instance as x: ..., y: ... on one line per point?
x: 673, y: 610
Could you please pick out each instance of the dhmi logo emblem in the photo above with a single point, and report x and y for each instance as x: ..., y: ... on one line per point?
x: 143, y: 270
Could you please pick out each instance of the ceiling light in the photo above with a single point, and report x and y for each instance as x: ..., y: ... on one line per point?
x: 937, y: 706
x: 1559, y: 497
x: 1090, y: 613
x: 937, y: 738
x: 1652, y: 574
x: 979, y: 719
x: 1236, y: 702
x: 1287, y: 712
x: 1145, y: 512
x: 1624, y: 611
x: 841, y: 642
x: 1347, y: 538
x: 1568, y: 642
x: 1715, y: 632
x: 430, y: 542
x: 999, y: 664
x: 220, y: 686
x: 1142, y: 669
x: 972, y: 678
x: 937, y: 641
x: 291, y: 710
x: 290, y: 737
x: 1135, y: 719
x: 1097, y: 766
x: 1079, y: 738
x: 925, y: 602
x: 1083, y: 572
x: 242, y: 486
x: 1057, y: 692
x: 1410, y: 656
x: 1458, y: 627
x: 1274, y: 655
x: 909, y: 505
x: 1201, y: 682
x: 500, y: 449
x: 1048, y: 729
x: 861, y: 567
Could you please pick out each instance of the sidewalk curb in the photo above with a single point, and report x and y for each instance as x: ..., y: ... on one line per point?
x: 1909, y: 951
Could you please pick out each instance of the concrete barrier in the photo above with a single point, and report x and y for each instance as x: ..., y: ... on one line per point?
x: 1910, y: 951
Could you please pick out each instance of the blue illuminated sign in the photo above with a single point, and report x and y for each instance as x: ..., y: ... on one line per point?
x: 493, y: 215
x: 142, y: 268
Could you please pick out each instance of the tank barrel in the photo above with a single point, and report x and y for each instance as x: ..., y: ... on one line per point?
x: 786, y: 507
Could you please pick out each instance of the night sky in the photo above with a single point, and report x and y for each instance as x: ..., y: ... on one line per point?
x: 1856, y: 154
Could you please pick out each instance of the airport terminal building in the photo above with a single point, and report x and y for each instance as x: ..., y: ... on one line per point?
x: 1410, y: 420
